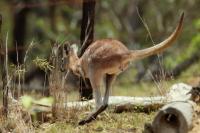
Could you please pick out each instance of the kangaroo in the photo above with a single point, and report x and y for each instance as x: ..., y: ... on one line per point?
x: 104, y: 59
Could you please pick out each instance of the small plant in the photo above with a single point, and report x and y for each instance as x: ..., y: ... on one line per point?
x: 43, y: 64
x: 17, y: 70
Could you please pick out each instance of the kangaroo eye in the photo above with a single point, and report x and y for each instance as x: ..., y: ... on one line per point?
x: 63, y: 59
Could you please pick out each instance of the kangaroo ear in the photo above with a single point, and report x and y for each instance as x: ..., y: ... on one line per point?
x: 74, y: 48
x: 66, y: 47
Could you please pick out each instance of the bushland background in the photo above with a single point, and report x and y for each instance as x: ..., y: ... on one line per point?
x: 137, y: 23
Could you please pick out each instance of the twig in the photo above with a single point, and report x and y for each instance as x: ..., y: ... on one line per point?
x: 27, y: 51
x: 145, y: 25
x: 158, y: 55
x: 6, y: 63
x: 87, y: 31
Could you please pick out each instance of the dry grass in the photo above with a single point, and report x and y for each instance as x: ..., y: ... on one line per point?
x: 18, y: 120
x: 105, y: 123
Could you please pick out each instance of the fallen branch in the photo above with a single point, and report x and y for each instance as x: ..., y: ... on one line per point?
x: 178, y: 92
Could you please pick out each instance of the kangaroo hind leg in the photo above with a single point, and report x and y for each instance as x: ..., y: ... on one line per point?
x: 108, y: 82
x: 96, y: 80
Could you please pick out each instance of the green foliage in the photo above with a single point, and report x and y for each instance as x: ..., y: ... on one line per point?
x: 192, y: 47
x: 43, y: 64
x: 195, y: 42
x: 197, y: 24
x: 28, y: 101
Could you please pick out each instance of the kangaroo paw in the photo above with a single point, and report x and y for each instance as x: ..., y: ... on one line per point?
x: 87, y: 120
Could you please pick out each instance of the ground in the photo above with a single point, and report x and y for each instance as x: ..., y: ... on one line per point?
x: 125, y: 122
x: 109, y: 122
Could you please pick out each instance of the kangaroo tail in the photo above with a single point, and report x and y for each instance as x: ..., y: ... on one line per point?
x: 138, y: 54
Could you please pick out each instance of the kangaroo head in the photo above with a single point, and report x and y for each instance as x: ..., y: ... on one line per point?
x: 70, y: 59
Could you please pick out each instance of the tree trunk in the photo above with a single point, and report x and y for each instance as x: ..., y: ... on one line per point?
x: 52, y: 16
x: 86, y: 38
x: 19, y: 32
x: 4, y: 73
x: 56, y: 83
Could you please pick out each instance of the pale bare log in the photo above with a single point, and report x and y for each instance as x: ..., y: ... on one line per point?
x: 175, y: 117
x: 178, y: 92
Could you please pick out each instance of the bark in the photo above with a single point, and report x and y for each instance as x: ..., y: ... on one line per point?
x: 4, y: 73
x: 56, y: 83
x: 1, y: 46
x: 87, y: 35
x: 87, y: 26
x: 52, y: 15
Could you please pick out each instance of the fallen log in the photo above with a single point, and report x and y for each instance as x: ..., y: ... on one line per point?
x: 178, y: 92
x: 175, y: 117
